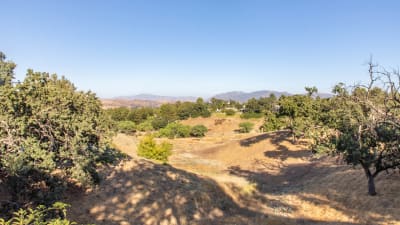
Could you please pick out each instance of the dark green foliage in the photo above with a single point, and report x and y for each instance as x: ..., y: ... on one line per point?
x: 159, y: 122
x: 245, y: 127
x: 311, y: 90
x: 46, y: 125
x: 6, y: 70
x: 145, y: 126
x: 251, y: 115
x: 148, y: 119
x: 185, y: 110
x: 253, y: 106
x: 137, y: 115
x: 31, y: 185
x: 126, y: 126
x: 175, y: 130
x: 272, y: 122
x: 300, y: 112
x: 41, y: 215
x: 168, y: 112
x: 198, y: 131
x: 111, y: 156
x: 148, y: 148
x: 54, y: 125
x: 363, y: 125
x: 229, y: 112
x: 178, y: 130
x: 119, y: 114
x: 200, y: 109
x: 217, y: 104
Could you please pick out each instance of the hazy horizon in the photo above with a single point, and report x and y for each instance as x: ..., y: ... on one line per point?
x: 210, y: 95
x: 202, y: 48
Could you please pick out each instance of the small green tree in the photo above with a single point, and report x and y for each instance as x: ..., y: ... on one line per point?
x: 168, y: 112
x: 175, y: 130
x: 159, y: 122
x: 229, y: 112
x: 126, y: 126
x: 299, y: 111
x: 145, y: 126
x: 198, y: 131
x: 370, y: 127
x: 362, y: 124
x: 245, y: 127
x: 148, y: 148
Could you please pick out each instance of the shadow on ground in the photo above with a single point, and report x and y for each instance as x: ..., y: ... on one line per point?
x: 322, y: 184
x: 142, y: 192
x: 277, y: 136
x: 146, y: 193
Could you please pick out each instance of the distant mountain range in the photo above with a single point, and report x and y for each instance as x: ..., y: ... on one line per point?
x: 233, y: 95
x: 241, y: 96
x: 157, y: 100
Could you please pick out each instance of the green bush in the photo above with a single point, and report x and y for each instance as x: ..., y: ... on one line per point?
x: 145, y: 126
x: 47, y: 126
x: 175, y: 130
x: 198, y: 131
x: 245, y: 127
x: 159, y: 123
x: 230, y: 112
x: 41, y: 215
x: 251, y: 115
x: 272, y: 122
x: 126, y: 126
x: 148, y: 148
x: 205, y: 113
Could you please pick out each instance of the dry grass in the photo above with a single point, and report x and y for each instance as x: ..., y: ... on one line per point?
x: 229, y: 178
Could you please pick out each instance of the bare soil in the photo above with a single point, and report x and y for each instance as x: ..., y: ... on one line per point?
x: 231, y: 178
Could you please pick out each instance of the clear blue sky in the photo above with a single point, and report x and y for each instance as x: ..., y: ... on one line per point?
x: 200, y: 47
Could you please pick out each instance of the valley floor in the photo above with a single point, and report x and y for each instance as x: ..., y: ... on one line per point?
x: 229, y: 178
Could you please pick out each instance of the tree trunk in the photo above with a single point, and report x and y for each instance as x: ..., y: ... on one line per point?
x: 370, y: 177
x: 371, y: 185
x: 292, y: 131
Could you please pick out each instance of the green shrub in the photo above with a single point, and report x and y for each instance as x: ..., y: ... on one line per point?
x: 272, y: 122
x: 245, y: 127
x: 47, y: 126
x: 251, y: 115
x: 159, y: 123
x: 148, y: 148
x: 145, y: 126
x: 198, y: 131
x: 175, y: 130
x: 229, y: 112
x: 41, y: 215
x: 205, y: 113
x: 126, y: 126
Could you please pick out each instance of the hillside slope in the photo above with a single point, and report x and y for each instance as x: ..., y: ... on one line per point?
x: 232, y: 178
